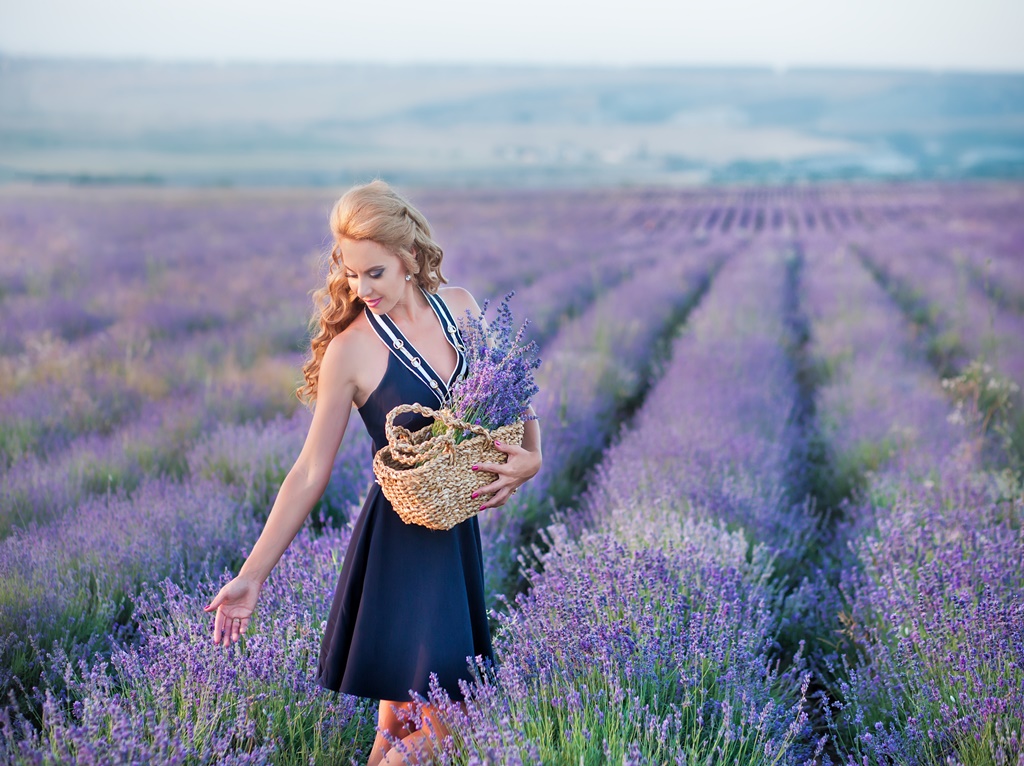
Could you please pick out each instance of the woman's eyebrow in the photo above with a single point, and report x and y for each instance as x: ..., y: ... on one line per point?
x: 370, y: 268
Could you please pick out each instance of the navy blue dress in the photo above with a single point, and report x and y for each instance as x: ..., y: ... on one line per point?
x: 410, y: 600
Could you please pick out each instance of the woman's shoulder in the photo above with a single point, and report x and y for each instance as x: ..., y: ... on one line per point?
x: 459, y: 300
x: 351, y: 342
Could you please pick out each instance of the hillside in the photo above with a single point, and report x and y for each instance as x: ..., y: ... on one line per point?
x: 299, y: 125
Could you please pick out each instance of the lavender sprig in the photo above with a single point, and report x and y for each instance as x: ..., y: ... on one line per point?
x: 500, y: 384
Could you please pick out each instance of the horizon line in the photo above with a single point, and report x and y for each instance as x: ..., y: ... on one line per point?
x: 778, y: 69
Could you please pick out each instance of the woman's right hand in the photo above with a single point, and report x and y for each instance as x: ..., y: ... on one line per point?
x: 234, y: 604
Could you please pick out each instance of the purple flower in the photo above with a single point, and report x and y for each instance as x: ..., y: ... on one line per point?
x: 500, y: 383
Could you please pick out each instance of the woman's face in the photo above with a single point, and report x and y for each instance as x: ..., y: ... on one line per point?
x: 374, y: 274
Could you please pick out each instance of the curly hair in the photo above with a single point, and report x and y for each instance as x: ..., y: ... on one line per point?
x: 376, y: 212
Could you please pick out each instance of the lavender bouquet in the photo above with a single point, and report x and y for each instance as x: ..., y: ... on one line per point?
x: 500, y: 383
x: 426, y: 475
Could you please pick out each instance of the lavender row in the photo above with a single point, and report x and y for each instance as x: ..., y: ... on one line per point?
x: 717, y: 433
x: 647, y: 638
x: 68, y: 583
x: 880, y: 407
x: 640, y: 655
x: 171, y: 697
x: 155, y: 443
x: 81, y: 569
x: 966, y: 322
x: 934, y: 671
x: 928, y: 668
x: 606, y: 356
x: 595, y: 365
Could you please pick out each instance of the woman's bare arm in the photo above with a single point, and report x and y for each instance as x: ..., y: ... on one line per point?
x: 300, y: 490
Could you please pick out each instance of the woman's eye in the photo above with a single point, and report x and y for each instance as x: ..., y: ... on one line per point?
x: 377, y: 274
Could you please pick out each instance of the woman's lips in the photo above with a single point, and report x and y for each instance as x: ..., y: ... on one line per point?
x: 373, y: 304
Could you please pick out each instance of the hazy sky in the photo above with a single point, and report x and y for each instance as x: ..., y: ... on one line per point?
x: 928, y: 34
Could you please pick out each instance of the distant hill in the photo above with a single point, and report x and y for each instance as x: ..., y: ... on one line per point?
x: 210, y: 125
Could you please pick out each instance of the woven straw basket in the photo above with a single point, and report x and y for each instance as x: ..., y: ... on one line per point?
x: 429, y: 479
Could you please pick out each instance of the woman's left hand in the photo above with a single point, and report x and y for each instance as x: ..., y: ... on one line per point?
x: 521, y: 466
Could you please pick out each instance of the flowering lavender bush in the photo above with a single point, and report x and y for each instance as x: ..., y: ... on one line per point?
x: 705, y: 434
x: 879, y: 405
x: 174, y: 697
x: 499, y: 385
x: 599, y: 363
x: 984, y: 402
x: 623, y: 649
x: 936, y: 614
x: 659, y: 654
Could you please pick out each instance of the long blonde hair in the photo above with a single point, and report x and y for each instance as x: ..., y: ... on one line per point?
x: 375, y: 212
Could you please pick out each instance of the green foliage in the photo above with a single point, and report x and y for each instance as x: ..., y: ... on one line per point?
x: 985, y: 402
x: 944, y: 349
x: 17, y: 437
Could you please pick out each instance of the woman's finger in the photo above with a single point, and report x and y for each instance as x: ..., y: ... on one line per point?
x: 217, y: 601
x: 490, y: 489
x: 516, y: 466
x: 501, y: 469
x: 497, y: 468
x: 501, y: 496
x: 218, y: 626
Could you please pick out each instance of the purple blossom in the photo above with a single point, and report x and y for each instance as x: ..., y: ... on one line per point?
x: 499, y: 385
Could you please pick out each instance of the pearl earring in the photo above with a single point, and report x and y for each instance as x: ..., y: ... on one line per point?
x: 408, y: 277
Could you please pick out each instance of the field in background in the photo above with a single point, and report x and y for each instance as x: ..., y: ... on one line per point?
x: 779, y: 519
x: 300, y: 125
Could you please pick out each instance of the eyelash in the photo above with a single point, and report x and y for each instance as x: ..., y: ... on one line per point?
x: 377, y: 275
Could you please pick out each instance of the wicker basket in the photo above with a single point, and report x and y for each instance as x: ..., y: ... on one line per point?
x: 429, y: 479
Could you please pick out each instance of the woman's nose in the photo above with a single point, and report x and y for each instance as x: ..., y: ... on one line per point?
x: 364, y: 289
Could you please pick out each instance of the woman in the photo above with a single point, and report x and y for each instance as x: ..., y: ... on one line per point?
x: 409, y: 601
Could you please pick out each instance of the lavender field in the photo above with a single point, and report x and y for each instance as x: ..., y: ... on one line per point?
x: 780, y: 520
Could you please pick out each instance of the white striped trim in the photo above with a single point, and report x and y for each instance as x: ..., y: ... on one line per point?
x: 400, y: 348
x: 451, y: 333
x: 391, y: 336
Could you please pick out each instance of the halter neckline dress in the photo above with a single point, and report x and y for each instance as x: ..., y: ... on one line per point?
x: 409, y: 600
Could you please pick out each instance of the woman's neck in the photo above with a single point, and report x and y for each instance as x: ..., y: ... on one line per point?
x: 411, y: 308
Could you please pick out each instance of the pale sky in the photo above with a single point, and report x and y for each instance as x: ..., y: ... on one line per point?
x: 976, y: 35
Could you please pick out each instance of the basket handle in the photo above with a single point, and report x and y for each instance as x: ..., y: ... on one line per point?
x: 413, y: 455
x: 445, y: 416
x: 399, y: 438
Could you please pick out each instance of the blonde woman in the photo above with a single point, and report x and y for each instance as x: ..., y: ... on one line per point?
x: 409, y: 600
